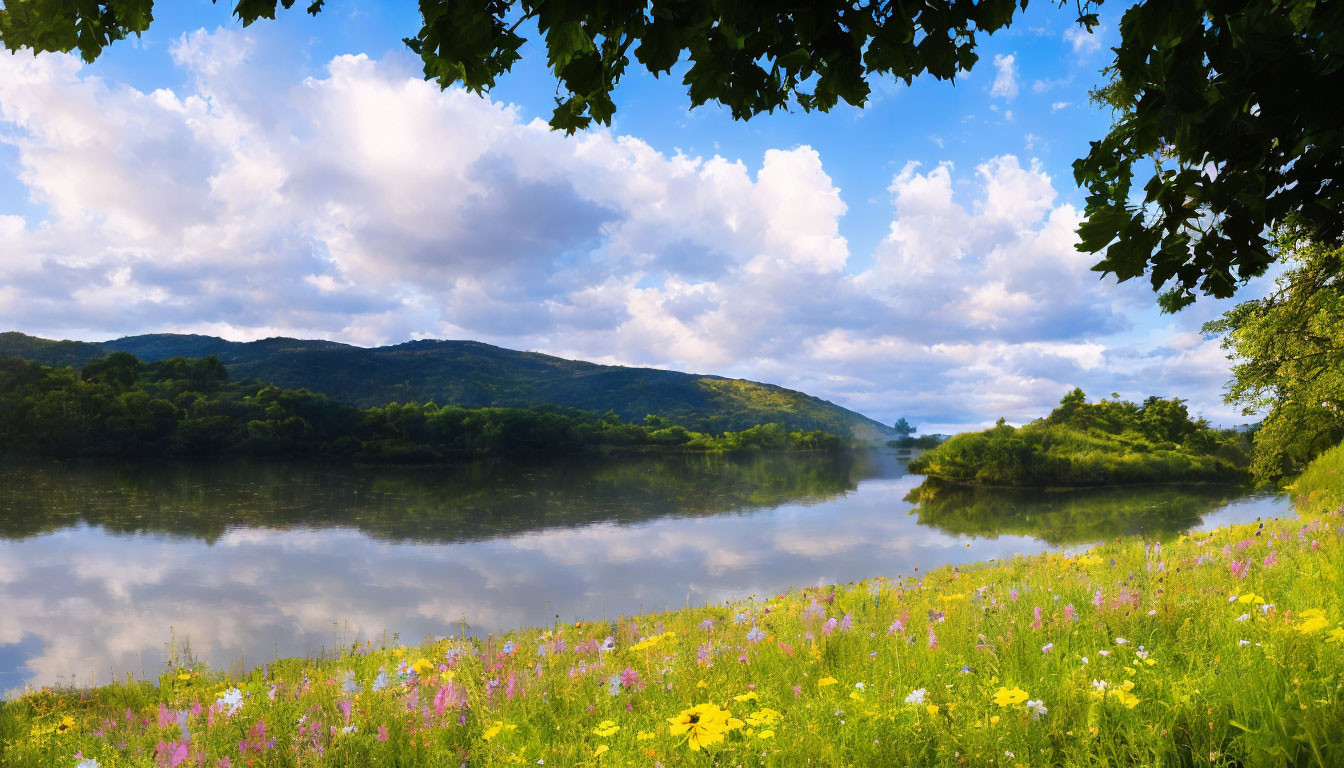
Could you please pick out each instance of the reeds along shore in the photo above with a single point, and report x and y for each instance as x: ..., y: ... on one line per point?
x: 1222, y: 648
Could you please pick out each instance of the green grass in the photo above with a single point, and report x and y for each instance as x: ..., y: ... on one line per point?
x: 1190, y: 683
x: 1320, y: 487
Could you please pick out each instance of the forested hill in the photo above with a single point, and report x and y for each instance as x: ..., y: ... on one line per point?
x: 472, y: 374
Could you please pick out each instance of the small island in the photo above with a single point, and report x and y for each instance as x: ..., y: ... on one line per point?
x: 1111, y: 442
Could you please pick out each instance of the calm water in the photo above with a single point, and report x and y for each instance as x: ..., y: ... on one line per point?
x: 100, y: 567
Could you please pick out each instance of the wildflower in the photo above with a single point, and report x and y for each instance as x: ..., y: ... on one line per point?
x: 755, y: 635
x: 643, y: 736
x: 509, y: 648
x: 1069, y: 614
x: 932, y: 709
x: 614, y: 685
x: 703, y: 725
x: 1243, y: 617
x: 1047, y: 647
x: 606, y: 728
x: 1097, y: 599
x: 1100, y: 685
x: 90, y: 763
x: 1036, y: 617
x: 847, y: 623
x: 600, y: 749
x: 1103, y: 653
x: 828, y: 627
x: 1315, y: 621
x: 1141, y: 653
x: 609, y: 644
x: 935, y: 615
x: 65, y: 725
x: 1008, y: 696
x: 748, y: 696
x: 1120, y: 641
x: 766, y: 734
x: 1037, y: 708
x: 1243, y: 642
x: 493, y: 730
x: 382, y: 733
x: 232, y: 700
x: 825, y: 681
x: 706, y: 625
x: 933, y: 639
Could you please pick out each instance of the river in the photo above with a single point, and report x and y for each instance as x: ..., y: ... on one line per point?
x: 108, y: 570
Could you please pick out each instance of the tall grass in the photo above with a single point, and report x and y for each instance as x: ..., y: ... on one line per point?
x: 1320, y: 487
x: 1218, y: 649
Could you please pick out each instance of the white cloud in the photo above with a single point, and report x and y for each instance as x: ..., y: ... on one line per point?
x: 1005, y: 77
x: 1058, y: 105
x: 367, y: 205
x: 1083, y: 42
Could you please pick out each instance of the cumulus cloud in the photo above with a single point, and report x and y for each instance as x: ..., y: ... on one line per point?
x: 366, y: 205
x: 1005, y: 77
x: 1082, y: 41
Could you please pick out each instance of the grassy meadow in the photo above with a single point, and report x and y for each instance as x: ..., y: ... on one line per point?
x: 1214, y: 649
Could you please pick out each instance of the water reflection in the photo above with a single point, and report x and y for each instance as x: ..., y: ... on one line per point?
x: 250, y: 561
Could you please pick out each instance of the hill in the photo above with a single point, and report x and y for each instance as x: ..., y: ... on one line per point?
x: 472, y: 374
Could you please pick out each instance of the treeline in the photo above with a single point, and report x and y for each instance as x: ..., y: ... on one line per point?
x: 120, y: 406
x: 1082, y: 443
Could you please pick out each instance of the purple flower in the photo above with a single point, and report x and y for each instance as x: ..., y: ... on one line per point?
x: 847, y: 623
x: 829, y: 626
x: 1069, y: 615
x: 707, y: 625
x: 755, y: 635
x: 936, y: 615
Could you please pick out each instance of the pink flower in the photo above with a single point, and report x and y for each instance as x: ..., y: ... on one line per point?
x: 1012, y: 595
x: 933, y: 639
x: 382, y: 733
x: 1238, y: 568
x: 1069, y: 615
x: 1272, y: 559
x: 1096, y: 599
x: 829, y: 626
x: 1315, y: 545
x: 1036, y: 617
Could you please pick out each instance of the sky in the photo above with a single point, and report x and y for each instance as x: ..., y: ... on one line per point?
x: 299, y: 178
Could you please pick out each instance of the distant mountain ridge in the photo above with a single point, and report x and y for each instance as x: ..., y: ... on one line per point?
x: 474, y: 374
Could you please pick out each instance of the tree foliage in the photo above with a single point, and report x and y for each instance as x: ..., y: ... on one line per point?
x: 1288, y: 353
x: 1231, y: 101
x: 120, y: 406
x: 1111, y: 442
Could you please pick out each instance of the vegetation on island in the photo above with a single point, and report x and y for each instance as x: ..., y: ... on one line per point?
x: 1212, y: 649
x: 1110, y: 442
x: 470, y: 374
x: 119, y: 406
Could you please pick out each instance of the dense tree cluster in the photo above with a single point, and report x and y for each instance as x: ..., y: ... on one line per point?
x: 1082, y: 443
x: 1288, y: 349
x: 120, y: 406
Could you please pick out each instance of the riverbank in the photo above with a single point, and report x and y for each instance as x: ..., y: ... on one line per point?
x: 1046, y: 660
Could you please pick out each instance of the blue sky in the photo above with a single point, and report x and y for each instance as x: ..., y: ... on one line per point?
x: 298, y: 178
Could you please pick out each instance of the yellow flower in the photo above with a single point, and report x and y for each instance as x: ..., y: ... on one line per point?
x: 766, y: 735
x: 1337, y: 634
x: 825, y: 681
x: 600, y: 749
x: 1130, y: 670
x: 1315, y: 621
x: 643, y: 736
x: 65, y: 725
x: 748, y: 696
x: 932, y: 709
x: 606, y: 728
x: 703, y: 724
x: 493, y: 731
x: 1006, y: 697
x: 422, y: 665
x: 1251, y: 597
x: 764, y: 716
x: 855, y: 695
x: 183, y: 676
x: 702, y: 684
x: 994, y: 720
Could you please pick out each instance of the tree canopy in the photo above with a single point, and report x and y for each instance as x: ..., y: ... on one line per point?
x: 1226, y: 125
x: 1288, y: 353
